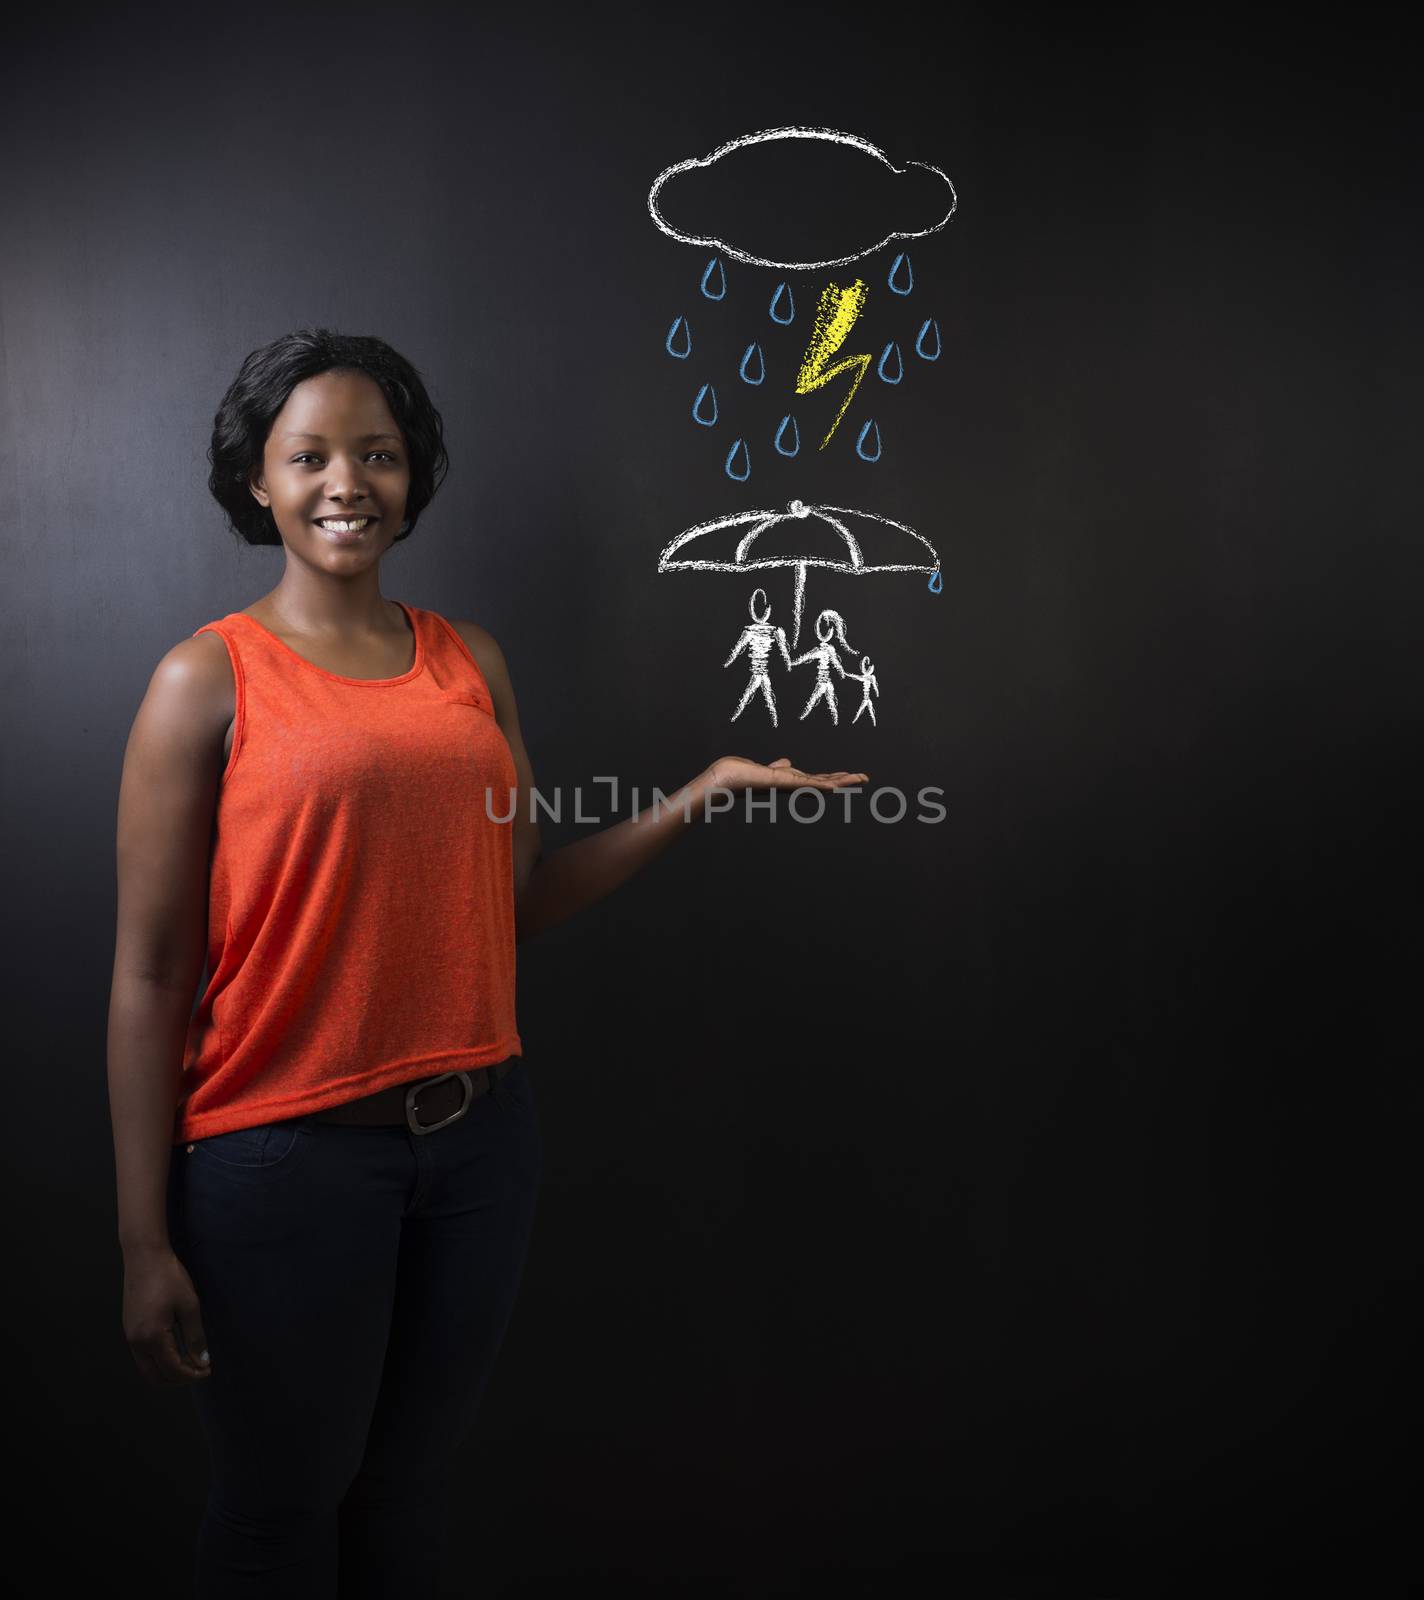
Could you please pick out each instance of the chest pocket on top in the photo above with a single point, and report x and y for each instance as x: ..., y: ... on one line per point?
x: 468, y: 697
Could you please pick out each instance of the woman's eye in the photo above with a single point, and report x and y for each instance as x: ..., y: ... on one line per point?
x: 309, y: 456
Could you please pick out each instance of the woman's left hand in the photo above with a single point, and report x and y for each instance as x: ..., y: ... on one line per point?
x: 736, y: 773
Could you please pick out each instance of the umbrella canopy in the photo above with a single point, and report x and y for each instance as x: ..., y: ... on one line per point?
x: 835, y: 537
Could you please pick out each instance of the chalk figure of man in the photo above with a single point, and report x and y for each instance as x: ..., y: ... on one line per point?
x: 866, y: 677
x: 829, y: 626
x: 757, y: 639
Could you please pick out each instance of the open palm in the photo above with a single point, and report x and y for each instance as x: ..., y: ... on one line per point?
x: 736, y: 773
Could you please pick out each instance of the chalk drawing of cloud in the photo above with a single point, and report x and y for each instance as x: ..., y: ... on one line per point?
x: 943, y: 195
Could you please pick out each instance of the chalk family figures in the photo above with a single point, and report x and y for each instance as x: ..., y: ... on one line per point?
x: 760, y: 637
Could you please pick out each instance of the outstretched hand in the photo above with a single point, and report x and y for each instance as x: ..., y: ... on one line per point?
x: 736, y: 773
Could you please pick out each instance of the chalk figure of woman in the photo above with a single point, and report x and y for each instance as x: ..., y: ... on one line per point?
x: 757, y: 638
x: 866, y: 677
x: 830, y: 630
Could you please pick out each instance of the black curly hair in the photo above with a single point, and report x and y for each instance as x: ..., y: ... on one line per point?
x: 259, y: 391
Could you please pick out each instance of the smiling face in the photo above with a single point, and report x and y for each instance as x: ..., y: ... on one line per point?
x: 335, y: 452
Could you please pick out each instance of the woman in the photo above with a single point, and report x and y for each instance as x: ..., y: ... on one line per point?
x: 327, y: 1172
x: 830, y: 630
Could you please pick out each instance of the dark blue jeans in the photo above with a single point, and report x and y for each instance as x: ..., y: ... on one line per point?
x: 355, y: 1284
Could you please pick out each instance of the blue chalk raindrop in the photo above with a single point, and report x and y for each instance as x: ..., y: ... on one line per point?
x: 704, y: 393
x: 680, y: 322
x: 909, y: 275
x: 860, y: 442
x: 716, y: 261
x: 753, y: 349
x: 795, y: 436
x: 746, y: 463
x: 920, y: 350
x: 936, y: 582
x: 785, y: 289
x: 899, y: 363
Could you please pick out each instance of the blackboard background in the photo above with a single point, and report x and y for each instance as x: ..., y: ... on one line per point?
x: 1027, y: 1201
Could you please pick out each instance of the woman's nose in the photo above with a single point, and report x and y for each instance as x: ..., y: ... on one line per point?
x: 346, y: 486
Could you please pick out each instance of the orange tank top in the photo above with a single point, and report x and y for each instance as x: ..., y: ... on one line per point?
x: 361, y: 892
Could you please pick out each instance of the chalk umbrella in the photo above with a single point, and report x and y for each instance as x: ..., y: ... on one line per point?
x: 803, y: 536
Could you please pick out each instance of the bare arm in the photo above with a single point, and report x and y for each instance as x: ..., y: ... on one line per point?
x: 584, y: 872
x: 746, y: 634
x: 528, y: 847
x: 167, y: 798
x: 551, y: 889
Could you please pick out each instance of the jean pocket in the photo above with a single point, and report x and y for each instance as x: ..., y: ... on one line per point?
x: 265, y: 1144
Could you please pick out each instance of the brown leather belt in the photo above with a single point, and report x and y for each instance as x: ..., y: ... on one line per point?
x: 422, y: 1105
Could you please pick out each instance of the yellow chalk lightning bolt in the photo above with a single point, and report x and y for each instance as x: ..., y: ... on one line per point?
x: 836, y: 312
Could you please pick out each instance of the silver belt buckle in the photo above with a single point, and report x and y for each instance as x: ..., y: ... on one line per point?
x: 430, y: 1127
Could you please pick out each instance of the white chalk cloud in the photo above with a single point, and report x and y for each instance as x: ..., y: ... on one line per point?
x: 857, y: 147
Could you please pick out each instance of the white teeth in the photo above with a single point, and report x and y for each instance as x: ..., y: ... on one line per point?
x: 343, y: 527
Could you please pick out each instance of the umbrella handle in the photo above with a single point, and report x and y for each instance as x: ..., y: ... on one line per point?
x: 800, y: 595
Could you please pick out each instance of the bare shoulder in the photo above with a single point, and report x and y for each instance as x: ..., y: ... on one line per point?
x: 471, y: 632
x: 489, y: 658
x: 168, y: 793
x: 179, y: 731
x: 193, y: 680
x: 202, y: 652
x: 484, y: 647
